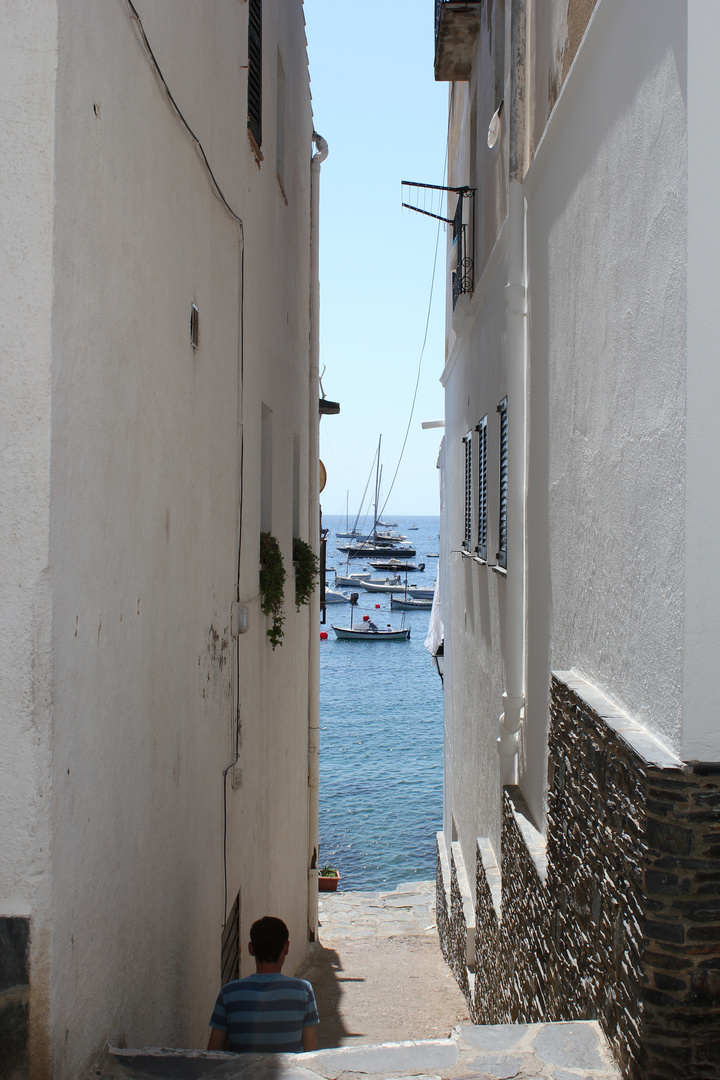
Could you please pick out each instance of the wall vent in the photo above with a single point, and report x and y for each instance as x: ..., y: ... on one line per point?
x: 194, y: 327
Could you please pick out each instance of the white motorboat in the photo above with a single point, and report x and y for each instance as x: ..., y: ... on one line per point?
x: 335, y: 596
x: 410, y: 603
x: 350, y: 581
x: 350, y: 633
x: 383, y: 585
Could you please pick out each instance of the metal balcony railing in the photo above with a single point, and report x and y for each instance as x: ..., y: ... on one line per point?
x: 462, y: 252
x: 463, y: 249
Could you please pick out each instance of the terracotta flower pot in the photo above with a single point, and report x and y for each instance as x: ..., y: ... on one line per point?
x: 328, y: 884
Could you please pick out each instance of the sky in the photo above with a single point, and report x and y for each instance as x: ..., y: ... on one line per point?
x: 376, y: 102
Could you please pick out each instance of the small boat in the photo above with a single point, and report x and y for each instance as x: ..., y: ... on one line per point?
x: 410, y: 603
x: 413, y: 528
x: 334, y: 596
x: 397, y: 566
x: 384, y: 585
x: 421, y: 593
x: 349, y: 633
x: 349, y: 581
x: 433, y: 555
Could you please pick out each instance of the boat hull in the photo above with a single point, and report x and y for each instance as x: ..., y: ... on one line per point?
x: 399, y: 603
x: 347, y: 633
x: 390, y: 565
x: 372, y: 551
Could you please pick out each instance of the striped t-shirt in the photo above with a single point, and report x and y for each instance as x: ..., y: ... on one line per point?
x: 265, y: 1013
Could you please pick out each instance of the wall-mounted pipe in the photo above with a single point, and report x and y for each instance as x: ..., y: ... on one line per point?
x: 516, y: 330
x: 314, y: 538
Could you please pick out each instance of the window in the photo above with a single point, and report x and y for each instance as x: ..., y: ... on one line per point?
x: 503, y: 523
x: 255, y: 70
x: 481, y: 547
x: 467, y: 539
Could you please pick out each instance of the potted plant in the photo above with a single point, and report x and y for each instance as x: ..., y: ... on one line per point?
x: 328, y: 878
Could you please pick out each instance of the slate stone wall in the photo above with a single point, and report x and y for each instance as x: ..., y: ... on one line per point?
x: 622, y: 923
x: 14, y: 997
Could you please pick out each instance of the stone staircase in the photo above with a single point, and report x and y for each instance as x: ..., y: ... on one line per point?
x: 568, y: 1051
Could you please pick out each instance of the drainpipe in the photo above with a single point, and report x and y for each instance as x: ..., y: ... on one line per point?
x: 516, y: 309
x: 314, y: 539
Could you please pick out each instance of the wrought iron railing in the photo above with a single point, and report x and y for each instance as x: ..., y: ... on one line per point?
x: 462, y: 265
x: 463, y: 256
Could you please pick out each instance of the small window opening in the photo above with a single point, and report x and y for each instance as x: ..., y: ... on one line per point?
x: 194, y: 327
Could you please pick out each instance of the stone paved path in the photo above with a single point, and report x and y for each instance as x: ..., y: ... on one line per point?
x: 408, y: 909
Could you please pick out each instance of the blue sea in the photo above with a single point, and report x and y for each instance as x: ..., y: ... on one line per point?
x: 381, y: 732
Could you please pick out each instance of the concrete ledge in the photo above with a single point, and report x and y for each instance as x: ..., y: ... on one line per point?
x: 647, y: 747
x: 532, y: 837
x: 489, y: 864
x: 467, y: 905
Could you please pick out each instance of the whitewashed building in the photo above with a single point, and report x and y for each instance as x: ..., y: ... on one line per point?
x: 158, y: 410
x: 579, y: 863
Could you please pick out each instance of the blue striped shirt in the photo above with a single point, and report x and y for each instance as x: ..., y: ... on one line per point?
x: 265, y: 1013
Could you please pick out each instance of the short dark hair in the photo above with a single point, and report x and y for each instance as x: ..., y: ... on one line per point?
x: 268, y: 936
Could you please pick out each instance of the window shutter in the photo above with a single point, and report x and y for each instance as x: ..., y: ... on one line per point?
x: 467, y: 539
x: 255, y: 70
x: 482, y: 489
x: 502, y: 545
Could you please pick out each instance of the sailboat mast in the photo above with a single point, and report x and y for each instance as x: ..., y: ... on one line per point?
x: 377, y: 490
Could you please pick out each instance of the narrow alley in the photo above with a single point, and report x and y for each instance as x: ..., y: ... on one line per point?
x: 389, y: 1007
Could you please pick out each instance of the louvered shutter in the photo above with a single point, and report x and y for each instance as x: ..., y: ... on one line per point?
x: 502, y: 532
x: 481, y: 548
x: 255, y: 70
x: 467, y: 539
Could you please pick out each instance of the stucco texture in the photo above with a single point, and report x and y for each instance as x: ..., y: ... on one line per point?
x: 606, y: 266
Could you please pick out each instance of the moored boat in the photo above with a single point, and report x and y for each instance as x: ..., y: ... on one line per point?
x: 350, y: 633
x: 335, y: 596
x: 410, y: 603
x: 349, y: 581
x: 397, y: 565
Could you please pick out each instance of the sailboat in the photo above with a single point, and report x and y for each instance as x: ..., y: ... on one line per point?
x: 347, y: 533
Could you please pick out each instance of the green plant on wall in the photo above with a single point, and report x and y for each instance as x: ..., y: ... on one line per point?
x: 272, y: 586
x: 306, y: 571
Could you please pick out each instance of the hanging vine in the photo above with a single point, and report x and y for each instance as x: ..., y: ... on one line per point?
x: 306, y: 571
x: 272, y: 586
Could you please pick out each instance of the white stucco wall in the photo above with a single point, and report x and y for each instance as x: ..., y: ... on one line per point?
x: 133, y: 485
x: 620, y: 528
x: 27, y: 134
x: 701, y: 726
x: 606, y: 268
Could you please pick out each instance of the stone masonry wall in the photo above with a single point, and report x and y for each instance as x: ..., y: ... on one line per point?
x: 621, y: 922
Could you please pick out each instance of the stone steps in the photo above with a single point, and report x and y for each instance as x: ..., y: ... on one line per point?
x: 576, y: 1050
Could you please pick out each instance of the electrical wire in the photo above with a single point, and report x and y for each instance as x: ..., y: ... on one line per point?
x: 422, y: 353
x: 176, y: 109
x: 217, y: 190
